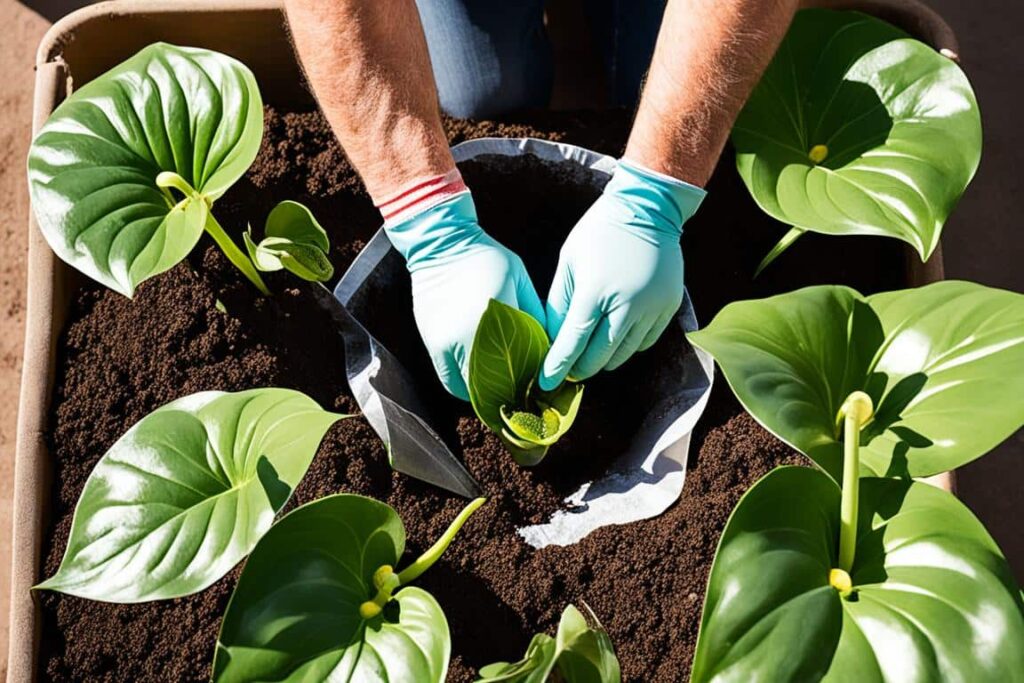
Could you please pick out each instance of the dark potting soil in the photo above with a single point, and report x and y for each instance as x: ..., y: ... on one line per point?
x: 119, y: 359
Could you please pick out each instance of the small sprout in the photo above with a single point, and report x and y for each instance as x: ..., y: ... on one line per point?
x: 818, y: 153
x: 580, y: 651
x: 219, y: 305
x: 506, y: 357
x: 840, y: 580
x: 293, y: 241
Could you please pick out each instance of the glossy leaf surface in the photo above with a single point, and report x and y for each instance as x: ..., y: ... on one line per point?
x: 295, y: 615
x: 187, y: 492
x: 507, y: 353
x: 942, y: 364
x: 896, y: 123
x: 93, y: 166
x: 933, y: 597
x: 294, y: 241
x: 579, y: 653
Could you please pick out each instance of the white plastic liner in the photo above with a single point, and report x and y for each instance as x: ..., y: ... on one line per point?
x: 641, y: 483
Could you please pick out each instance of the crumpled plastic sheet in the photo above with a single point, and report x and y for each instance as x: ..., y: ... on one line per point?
x: 641, y: 483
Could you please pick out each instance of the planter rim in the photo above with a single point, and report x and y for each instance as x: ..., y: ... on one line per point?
x: 51, y: 283
x: 57, y: 36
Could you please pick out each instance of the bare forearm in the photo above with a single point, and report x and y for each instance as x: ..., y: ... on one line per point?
x: 370, y: 69
x: 709, y: 56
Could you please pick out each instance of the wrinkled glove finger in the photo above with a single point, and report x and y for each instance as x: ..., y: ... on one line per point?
x: 528, y: 301
x: 452, y: 375
x: 630, y: 345
x: 656, y: 331
x: 604, y: 342
x: 573, y: 335
x: 559, y: 297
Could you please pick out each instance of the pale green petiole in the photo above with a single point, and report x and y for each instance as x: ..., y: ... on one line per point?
x: 169, y: 179
x: 855, y: 413
x: 234, y: 254
x: 166, y: 179
x: 387, y: 582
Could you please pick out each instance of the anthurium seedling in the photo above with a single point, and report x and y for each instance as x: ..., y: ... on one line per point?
x: 880, y: 580
x: 124, y: 173
x: 508, y: 350
x: 187, y: 492
x: 858, y: 129
x: 579, y: 653
x: 320, y: 599
x: 941, y: 363
x: 293, y: 240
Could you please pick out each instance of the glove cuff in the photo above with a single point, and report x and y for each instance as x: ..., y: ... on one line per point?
x: 419, y: 196
x: 439, y: 231
x: 665, y: 201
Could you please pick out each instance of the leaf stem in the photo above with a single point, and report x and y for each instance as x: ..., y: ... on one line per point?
x: 782, y: 245
x: 234, y: 254
x: 856, y: 411
x: 387, y: 582
x: 424, y: 561
x: 169, y: 179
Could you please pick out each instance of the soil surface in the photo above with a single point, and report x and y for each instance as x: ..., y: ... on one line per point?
x: 120, y: 359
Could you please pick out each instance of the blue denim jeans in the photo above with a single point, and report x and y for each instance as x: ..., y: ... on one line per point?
x: 492, y: 56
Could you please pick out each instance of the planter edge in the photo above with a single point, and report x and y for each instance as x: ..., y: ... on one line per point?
x: 51, y: 282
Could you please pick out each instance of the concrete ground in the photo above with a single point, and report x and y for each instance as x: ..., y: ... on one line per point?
x: 983, y: 241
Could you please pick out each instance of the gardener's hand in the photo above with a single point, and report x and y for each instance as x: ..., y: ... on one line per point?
x: 619, y: 280
x: 456, y: 270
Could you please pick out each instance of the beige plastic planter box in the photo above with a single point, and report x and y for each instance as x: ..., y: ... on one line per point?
x: 86, y: 44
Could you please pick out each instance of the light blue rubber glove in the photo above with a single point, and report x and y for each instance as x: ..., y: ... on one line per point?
x: 456, y: 270
x: 619, y: 280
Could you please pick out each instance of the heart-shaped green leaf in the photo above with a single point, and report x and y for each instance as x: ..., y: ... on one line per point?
x: 857, y: 129
x: 508, y: 350
x: 294, y: 241
x: 507, y: 353
x: 579, y: 652
x: 295, y: 614
x: 187, y: 492
x: 941, y: 363
x: 93, y: 166
x: 933, y: 598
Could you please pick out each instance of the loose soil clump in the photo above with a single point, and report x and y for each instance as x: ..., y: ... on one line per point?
x: 119, y: 359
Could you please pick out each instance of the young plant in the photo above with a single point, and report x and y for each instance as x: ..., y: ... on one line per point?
x: 941, y: 363
x: 294, y: 241
x: 578, y: 653
x: 194, y: 487
x: 857, y: 129
x: 870, y: 578
x: 508, y: 350
x: 187, y: 492
x: 880, y: 580
x: 124, y: 174
x: 319, y: 599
